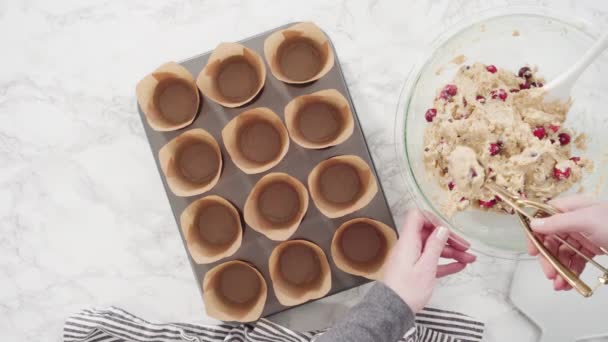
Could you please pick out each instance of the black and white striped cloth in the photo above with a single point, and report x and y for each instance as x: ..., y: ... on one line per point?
x: 116, y: 325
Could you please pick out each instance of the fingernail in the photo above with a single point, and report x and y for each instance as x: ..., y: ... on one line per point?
x: 537, y: 223
x: 442, y: 233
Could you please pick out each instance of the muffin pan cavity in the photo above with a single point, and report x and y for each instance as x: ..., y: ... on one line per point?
x: 212, y: 229
x: 360, y: 247
x: 342, y: 185
x: 168, y: 97
x: 299, y: 271
x: 191, y: 163
x: 256, y: 140
x: 276, y: 205
x: 319, y: 120
x: 299, y: 54
x: 233, y: 76
x: 234, y: 291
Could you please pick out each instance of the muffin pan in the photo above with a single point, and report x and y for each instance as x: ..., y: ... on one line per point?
x: 284, y: 168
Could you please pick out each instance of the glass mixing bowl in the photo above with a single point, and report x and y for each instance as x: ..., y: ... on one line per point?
x: 508, y: 38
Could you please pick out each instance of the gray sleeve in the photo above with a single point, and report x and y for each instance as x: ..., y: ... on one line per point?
x: 382, y: 316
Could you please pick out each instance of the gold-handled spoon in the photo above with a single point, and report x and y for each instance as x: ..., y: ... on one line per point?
x: 542, y: 209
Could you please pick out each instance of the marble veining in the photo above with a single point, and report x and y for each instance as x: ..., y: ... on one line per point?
x: 83, y: 216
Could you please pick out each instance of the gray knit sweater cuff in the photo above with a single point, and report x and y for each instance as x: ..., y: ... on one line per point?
x: 382, y: 316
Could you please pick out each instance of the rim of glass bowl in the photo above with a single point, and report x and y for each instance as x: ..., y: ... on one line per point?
x: 461, y: 24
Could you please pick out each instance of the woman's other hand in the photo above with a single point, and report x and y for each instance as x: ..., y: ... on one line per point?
x: 413, y: 266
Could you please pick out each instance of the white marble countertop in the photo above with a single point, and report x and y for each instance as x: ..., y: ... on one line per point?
x: 84, y: 220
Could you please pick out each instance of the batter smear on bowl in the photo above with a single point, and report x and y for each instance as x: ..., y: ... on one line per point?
x: 492, y: 125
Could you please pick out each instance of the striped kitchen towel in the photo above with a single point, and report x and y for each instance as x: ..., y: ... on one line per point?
x: 114, y: 325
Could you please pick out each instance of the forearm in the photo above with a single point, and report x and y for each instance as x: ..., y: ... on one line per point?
x: 382, y: 316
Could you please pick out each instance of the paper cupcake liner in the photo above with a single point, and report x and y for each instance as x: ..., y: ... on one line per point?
x: 256, y: 140
x: 341, y: 185
x: 233, y: 76
x: 319, y: 120
x: 299, y: 271
x: 299, y: 54
x: 219, y: 236
x: 361, y: 246
x: 234, y: 291
x: 189, y: 154
x: 276, y: 205
x: 168, y: 97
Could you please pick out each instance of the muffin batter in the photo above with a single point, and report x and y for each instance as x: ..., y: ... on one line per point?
x: 491, y: 125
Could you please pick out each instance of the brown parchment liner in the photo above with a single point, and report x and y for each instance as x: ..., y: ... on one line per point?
x: 206, y: 80
x: 366, y: 177
x: 308, y: 30
x: 290, y: 294
x: 147, y: 90
x: 230, y: 135
x: 202, y: 251
x: 255, y: 219
x: 372, y: 269
x: 331, y: 97
x: 167, y: 157
x: 216, y: 305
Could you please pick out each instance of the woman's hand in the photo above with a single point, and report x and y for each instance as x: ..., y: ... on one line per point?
x: 584, y: 224
x: 412, y: 268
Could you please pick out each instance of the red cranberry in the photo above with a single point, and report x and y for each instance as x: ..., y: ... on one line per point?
x: 480, y: 98
x: 491, y: 68
x: 539, y: 132
x: 564, y: 138
x: 524, y: 72
x: 448, y: 91
x: 554, y: 128
x: 464, y: 102
x: 576, y: 159
x: 451, y: 89
x: 524, y: 86
x: 514, y: 90
x: 499, y: 94
x: 451, y: 186
x: 494, y: 149
x: 430, y: 114
x: 561, y: 175
x: 462, y: 199
x: 487, y: 204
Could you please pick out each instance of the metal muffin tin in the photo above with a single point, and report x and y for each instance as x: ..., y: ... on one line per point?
x: 235, y: 185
